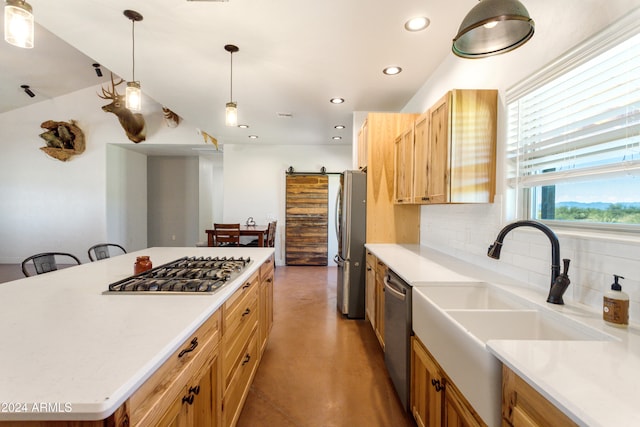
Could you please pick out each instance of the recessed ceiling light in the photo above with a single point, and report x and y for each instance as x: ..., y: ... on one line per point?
x: 243, y: 126
x: 336, y: 100
x: 392, y: 71
x: 417, y: 24
x: 253, y: 136
x: 336, y: 137
x: 338, y: 127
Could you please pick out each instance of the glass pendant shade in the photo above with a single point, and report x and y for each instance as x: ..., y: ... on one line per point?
x: 231, y: 114
x: 18, y: 23
x: 493, y: 27
x: 133, y: 96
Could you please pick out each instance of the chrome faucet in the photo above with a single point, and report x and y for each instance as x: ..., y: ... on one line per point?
x: 559, y: 281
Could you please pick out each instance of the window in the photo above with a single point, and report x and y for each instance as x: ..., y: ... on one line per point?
x: 574, y: 133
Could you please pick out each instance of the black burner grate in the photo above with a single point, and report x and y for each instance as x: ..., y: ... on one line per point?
x: 186, y: 275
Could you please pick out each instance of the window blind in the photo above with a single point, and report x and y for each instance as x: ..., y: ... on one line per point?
x: 582, y: 122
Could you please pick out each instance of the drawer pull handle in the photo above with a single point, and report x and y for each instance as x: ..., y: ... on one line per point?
x: 188, y: 399
x: 194, y: 344
x: 247, y: 357
x: 246, y: 285
x: 247, y: 311
x: 194, y: 390
x: 437, y: 385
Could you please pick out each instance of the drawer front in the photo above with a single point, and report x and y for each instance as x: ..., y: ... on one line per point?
x: 266, y: 269
x: 381, y: 268
x: 153, y: 398
x: 234, y: 398
x: 238, y: 314
x: 231, y: 306
x: 371, y: 259
x: 235, y: 341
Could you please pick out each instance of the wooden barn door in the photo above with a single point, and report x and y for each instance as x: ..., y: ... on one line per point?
x: 307, y: 219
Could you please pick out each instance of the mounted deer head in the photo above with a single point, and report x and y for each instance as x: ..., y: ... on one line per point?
x: 133, y: 124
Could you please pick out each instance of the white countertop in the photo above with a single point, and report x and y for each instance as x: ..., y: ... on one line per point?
x: 596, y: 383
x: 82, y: 353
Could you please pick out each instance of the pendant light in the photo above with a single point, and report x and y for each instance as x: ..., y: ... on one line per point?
x: 231, y: 111
x: 493, y: 27
x: 18, y: 23
x: 133, y: 94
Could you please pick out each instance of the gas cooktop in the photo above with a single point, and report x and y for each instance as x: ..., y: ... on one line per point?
x: 187, y: 275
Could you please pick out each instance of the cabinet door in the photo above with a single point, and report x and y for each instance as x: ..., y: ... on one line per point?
x: 523, y: 406
x: 438, y: 167
x: 380, y: 309
x: 427, y: 387
x: 457, y: 411
x: 421, y: 159
x: 199, y: 403
x: 473, y: 145
x: 370, y: 289
x: 403, y: 167
x: 362, y: 146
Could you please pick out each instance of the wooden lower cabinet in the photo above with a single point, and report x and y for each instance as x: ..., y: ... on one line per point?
x: 435, y: 400
x: 523, y: 406
x: 199, y: 402
x: 265, y: 302
x: 370, y: 288
x: 381, y: 271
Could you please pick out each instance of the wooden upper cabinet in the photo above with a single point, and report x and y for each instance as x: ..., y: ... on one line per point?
x: 421, y: 156
x: 362, y: 146
x: 474, y: 115
x: 387, y: 222
x: 455, y: 149
x: 403, y: 166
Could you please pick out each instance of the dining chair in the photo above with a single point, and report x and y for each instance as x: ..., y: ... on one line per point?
x: 226, y: 234
x: 271, y: 234
x: 46, y: 262
x: 102, y: 251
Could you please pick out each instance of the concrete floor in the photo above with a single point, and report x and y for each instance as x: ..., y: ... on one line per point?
x: 319, y: 369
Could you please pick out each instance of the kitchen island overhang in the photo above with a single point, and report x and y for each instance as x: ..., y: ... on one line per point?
x: 69, y: 352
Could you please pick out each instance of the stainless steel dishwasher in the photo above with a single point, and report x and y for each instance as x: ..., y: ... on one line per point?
x: 397, y: 334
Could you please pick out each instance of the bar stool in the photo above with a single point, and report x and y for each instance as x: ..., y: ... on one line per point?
x: 46, y: 262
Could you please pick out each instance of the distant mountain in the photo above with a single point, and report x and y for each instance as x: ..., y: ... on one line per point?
x: 596, y: 205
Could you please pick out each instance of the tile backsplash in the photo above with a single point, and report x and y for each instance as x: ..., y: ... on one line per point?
x: 466, y: 231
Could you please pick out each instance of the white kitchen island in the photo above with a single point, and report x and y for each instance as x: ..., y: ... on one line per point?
x: 70, y: 352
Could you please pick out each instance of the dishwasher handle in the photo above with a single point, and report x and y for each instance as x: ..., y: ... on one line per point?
x: 394, y: 290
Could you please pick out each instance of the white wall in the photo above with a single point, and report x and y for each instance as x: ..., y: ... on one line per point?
x: 126, y: 197
x: 467, y: 230
x: 172, y: 201
x: 46, y: 204
x: 254, y: 180
x: 210, y: 199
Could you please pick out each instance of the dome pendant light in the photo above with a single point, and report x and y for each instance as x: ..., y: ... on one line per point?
x: 231, y: 111
x: 18, y: 23
x: 493, y: 27
x: 133, y: 94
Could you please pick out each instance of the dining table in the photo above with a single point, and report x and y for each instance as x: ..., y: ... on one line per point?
x: 259, y: 231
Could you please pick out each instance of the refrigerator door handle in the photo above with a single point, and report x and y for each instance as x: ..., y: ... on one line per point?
x: 338, y: 260
x: 337, y: 217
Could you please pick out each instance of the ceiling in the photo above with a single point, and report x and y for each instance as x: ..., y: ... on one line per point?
x: 294, y: 56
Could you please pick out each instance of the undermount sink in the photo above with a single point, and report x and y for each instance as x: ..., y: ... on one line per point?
x: 455, y: 321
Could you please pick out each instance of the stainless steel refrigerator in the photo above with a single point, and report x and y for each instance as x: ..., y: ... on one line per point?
x: 351, y: 224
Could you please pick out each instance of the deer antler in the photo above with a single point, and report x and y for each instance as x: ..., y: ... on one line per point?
x: 113, y: 93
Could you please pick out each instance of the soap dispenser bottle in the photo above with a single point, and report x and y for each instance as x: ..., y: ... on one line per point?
x: 615, y: 308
